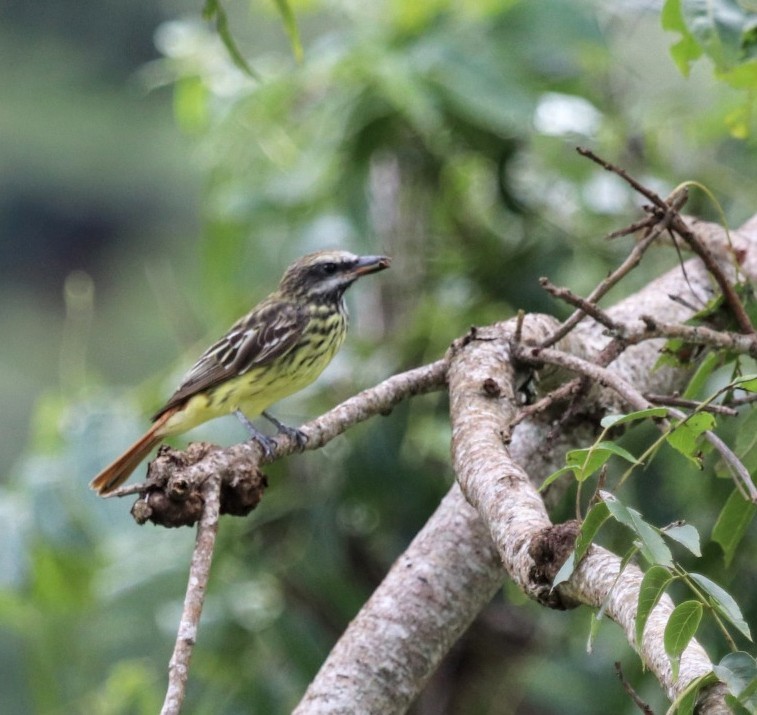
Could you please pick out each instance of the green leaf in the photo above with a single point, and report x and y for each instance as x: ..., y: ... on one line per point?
x: 711, y: 362
x: 290, y: 25
x: 596, y: 622
x: 653, y: 585
x: 746, y: 440
x: 651, y: 544
x: 214, y: 9
x: 209, y: 9
x: 733, y: 521
x: 723, y: 603
x: 671, y: 17
x: 565, y: 571
x: 190, y: 104
x: 746, y: 382
x: 680, y: 629
x: 686, y: 50
x: 685, y: 534
x: 584, y: 462
x: 553, y: 477
x: 686, y: 701
x: 739, y: 672
x: 685, y: 436
x: 615, y: 420
x: 718, y: 26
x: 597, y: 516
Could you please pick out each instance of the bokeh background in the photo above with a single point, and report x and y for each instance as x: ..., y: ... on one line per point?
x: 150, y: 192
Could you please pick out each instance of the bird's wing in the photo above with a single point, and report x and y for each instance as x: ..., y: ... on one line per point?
x: 271, y: 330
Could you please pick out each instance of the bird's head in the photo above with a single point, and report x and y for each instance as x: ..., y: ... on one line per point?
x: 325, y: 275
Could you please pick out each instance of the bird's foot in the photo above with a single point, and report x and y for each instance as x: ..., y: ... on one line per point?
x: 299, y: 437
x: 267, y: 444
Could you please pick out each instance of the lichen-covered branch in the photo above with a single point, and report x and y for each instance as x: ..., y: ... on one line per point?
x: 482, y: 455
x: 429, y: 597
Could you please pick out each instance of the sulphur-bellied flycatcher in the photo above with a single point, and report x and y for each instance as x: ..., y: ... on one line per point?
x: 278, y: 348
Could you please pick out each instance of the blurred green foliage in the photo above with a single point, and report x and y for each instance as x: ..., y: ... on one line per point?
x: 441, y: 133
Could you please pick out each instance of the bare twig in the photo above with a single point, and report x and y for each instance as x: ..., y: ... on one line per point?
x: 633, y: 260
x: 646, y: 222
x: 713, y: 267
x: 694, y: 334
x: 676, y: 401
x: 623, y: 174
x: 675, y: 222
x: 631, y: 692
x: 739, y: 401
x: 566, y: 391
x: 594, y: 372
x: 591, y: 309
x: 380, y: 399
x: 199, y: 571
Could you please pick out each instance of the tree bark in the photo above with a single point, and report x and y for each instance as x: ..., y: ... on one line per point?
x: 439, y: 584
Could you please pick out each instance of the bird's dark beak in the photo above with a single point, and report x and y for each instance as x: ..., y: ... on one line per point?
x: 370, y: 264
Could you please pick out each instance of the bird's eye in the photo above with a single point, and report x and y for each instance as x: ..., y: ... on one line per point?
x: 329, y: 269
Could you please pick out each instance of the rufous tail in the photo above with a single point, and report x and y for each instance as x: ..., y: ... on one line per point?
x: 120, y: 470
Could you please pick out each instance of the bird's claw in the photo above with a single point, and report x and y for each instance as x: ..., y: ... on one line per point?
x: 267, y: 444
x: 299, y: 437
x: 296, y: 435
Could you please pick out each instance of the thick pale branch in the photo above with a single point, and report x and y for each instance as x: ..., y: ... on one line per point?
x: 514, y: 513
x: 429, y: 597
x: 528, y: 449
x: 595, y: 584
x: 500, y: 490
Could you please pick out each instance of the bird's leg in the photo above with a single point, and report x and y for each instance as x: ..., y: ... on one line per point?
x: 267, y: 444
x: 298, y: 436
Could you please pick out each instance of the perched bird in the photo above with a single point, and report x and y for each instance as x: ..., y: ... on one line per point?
x: 278, y: 348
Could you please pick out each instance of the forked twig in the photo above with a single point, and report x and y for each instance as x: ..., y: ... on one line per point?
x: 677, y: 224
x: 676, y: 401
x: 676, y: 202
x: 590, y: 308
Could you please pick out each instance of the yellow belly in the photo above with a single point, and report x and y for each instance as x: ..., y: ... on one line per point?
x: 260, y: 387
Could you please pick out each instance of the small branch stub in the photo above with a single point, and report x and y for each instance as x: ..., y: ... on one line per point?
x: 491, y: 388
x: 549, y: 551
